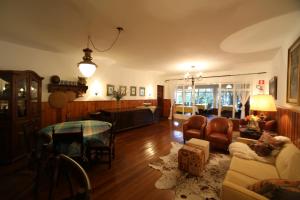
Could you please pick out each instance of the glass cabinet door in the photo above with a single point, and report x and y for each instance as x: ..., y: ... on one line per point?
x: 5, y: 95
x: 21, y: 90
x: 34, y: 98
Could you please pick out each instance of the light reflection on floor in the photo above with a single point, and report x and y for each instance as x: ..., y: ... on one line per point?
x: 177, y: 134
x: 150, y: 148
x: 176, y: 123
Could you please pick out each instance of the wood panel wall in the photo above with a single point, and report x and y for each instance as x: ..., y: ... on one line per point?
x: 81, y: 109
x: 167, y: 106
x: 288, y: 124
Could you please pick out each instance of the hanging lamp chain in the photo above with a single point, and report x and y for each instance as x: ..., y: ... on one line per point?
x: 120, y: 29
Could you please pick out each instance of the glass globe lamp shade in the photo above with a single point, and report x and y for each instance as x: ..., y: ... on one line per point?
x: 87, y: 69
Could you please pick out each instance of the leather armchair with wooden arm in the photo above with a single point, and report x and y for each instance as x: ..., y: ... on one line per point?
x: 219, y: 132
x: 194, y: 127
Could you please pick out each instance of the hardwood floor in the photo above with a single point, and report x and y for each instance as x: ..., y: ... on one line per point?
x: 130, y: 176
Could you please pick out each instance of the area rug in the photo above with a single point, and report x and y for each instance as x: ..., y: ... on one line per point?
x: 206, y: 186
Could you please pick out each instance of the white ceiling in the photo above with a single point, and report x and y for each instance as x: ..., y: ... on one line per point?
x: 164, y: 35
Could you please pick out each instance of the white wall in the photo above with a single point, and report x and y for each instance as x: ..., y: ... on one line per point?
x: 46, y: 64
x: 279, y: 69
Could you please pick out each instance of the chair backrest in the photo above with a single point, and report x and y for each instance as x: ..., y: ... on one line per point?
x: 69, y: 176
x: 220, y: 125
x: 113, y: 129
x: 110, y: 134
x: 197, y: 121
x: 68, y: 142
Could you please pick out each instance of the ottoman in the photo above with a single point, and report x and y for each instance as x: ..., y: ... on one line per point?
x: 201, y: 144
x: 191, y: 159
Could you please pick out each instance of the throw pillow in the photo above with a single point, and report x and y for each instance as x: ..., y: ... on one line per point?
x: 262, y: 149
x: 266, y: 145
x: 267, y: 138
x: 277, y: 188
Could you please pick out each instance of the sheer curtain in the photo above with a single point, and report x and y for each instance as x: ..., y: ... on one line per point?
x: 244, y: 93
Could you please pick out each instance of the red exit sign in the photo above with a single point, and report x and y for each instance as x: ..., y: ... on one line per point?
x: 261, y: 82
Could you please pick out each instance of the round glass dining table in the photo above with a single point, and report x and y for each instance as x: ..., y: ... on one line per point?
x: 92, y: 129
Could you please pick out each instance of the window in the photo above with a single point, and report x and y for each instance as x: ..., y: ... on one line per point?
x: 231, y: 96
x: 178, y: 96
x: 227, y: 98
x: 204, y: 96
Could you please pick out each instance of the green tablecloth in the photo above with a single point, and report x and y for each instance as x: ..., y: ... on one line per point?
x: 92, y: 129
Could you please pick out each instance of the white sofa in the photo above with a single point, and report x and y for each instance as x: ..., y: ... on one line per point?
x: 243, y: 173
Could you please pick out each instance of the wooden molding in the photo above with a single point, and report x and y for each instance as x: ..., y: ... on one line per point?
x: 78, y: 89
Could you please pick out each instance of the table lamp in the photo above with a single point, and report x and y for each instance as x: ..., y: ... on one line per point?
x: 263, y: 103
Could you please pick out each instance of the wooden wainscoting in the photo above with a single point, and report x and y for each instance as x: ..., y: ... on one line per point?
x: 289, y: 124
x: 167, y: 106
x: 80, y: 109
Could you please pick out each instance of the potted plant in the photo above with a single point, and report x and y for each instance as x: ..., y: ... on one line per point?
x: 118, y: 95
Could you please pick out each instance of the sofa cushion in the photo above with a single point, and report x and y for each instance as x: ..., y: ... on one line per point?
x: 193, y: 133
x: 288, y: 162
x: 253, y: 169
x: 218, y: 138
x: 239, y: 179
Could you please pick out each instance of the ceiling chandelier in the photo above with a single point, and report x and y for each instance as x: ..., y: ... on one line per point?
x: 193, y: 75
x: 87, y: 67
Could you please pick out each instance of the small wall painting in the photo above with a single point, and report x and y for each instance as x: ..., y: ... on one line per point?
x: 123, y: 90
x: 142, y: 91
x: 293, y: 74
x: 273, y: 87
x: 109, y: 89
x: 132, y: 91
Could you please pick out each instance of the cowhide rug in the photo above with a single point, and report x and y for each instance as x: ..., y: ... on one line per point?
x: 207, y: 186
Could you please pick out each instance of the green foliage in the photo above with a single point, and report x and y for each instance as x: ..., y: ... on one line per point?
x: 117, y: 95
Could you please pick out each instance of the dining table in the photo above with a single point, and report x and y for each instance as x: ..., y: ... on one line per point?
x: 92, y: 129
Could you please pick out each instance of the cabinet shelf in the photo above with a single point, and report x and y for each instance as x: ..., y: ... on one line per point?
x: 78, y: 89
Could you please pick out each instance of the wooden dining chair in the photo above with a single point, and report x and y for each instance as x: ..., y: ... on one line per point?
x: 69, y: 143
x: 97, y: 150
x: 69, y: 180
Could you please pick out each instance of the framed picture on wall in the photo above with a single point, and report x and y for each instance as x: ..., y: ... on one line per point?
x: 132, y: 91
x: 293, y: 73
x: 109, y: 89
x: 142, y: 91
x: 273, y: 87
x: 123, y: 90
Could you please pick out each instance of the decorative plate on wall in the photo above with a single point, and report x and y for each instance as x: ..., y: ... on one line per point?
x: 58, y: 99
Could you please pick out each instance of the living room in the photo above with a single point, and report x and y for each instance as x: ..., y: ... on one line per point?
x: 176, y: 59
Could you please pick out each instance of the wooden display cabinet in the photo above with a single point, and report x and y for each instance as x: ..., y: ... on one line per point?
x: 20, y: 102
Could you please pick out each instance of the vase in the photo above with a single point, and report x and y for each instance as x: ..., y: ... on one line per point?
x: 119, y: 104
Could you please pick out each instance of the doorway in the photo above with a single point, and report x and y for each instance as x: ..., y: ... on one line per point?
x: 160, y: 99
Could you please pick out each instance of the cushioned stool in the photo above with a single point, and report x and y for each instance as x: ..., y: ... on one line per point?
x: 191, y: 159
x: 201, y: 144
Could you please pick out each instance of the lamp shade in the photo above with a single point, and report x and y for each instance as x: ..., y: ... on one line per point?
x: 263, y: 102
x: 87, y: 67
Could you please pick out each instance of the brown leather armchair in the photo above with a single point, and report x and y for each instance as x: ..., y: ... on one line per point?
x: 219, y: 133
x: 194, y: 127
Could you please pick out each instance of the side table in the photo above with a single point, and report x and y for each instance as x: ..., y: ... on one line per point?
x: 249, y: 133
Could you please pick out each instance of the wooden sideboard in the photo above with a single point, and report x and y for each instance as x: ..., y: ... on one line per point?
x: 127, y: 118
